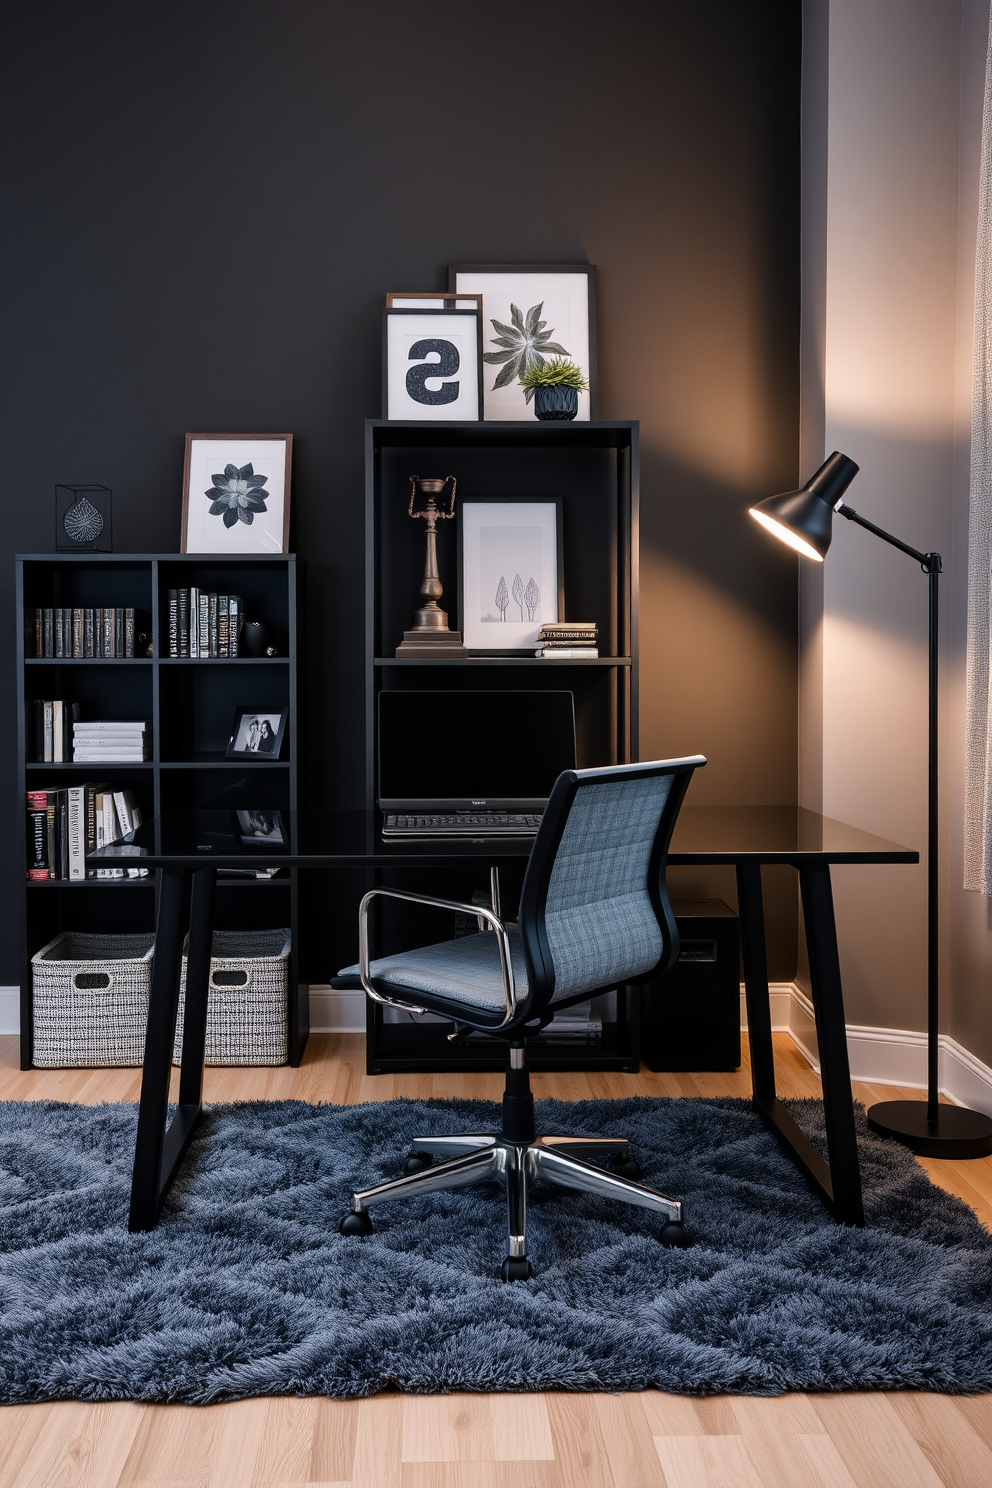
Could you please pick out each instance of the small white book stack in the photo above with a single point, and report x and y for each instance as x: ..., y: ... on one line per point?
x: 568, y: 640
x: 111, y: 743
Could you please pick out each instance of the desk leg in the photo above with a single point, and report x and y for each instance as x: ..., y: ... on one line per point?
x: 838, y: 1182
x: 163, y: 1003
x: 831, y: 1036
x: 197, y: 988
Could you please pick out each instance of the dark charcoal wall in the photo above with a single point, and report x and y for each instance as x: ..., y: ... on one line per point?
x: 205, y: 203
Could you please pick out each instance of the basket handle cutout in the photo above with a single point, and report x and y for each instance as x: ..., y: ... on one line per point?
x: 91, y: 981
x: 228, y: 979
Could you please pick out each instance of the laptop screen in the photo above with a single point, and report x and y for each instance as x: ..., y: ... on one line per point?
x: 455, y: 751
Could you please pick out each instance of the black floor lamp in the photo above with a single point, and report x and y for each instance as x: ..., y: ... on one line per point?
x: 803, y: 519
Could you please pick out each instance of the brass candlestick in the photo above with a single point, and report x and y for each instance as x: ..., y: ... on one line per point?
x: 429, y: 636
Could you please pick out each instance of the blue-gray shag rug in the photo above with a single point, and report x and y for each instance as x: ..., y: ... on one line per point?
x: 246, y: 1287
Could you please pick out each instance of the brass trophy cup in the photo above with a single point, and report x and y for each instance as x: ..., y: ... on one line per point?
x: 430, y: 637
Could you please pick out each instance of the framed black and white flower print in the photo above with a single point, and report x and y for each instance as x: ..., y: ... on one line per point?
x: 431, y: 364
x: 236, y: 493
x: 531, y: 314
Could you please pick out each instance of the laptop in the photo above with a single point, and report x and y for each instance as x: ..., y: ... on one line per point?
x: 471, y: 764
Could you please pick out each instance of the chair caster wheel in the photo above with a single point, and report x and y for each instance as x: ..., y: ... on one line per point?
x: 516, y: 1268
x: 356, y: 1223
x: 625, y: 1167
x: 417, y: 1162
x: 675, y: 1233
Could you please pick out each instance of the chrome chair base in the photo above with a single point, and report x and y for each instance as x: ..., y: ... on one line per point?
x: 482, y: 1159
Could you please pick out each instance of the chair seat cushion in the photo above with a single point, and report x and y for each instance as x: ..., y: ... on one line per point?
x: 465, y: 970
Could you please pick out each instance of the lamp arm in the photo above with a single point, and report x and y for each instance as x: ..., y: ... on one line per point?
x: 929, y: 562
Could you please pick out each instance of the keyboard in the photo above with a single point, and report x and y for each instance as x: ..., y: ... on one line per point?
x: 462, y: 824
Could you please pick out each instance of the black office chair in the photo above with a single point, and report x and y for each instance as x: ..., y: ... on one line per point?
x: 594, y: 912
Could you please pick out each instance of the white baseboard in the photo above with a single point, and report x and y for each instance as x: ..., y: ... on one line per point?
x: 10, y: 1010
x: 885, y: 1056
x: 336, y: 1012
x: 879, y: 1056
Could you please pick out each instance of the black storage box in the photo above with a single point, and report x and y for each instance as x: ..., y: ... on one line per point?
x: 691, y: 1019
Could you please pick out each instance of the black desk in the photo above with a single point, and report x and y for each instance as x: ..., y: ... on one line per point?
x: 189, y: 847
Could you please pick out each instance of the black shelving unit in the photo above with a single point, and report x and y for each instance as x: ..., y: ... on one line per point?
x: 191, y: 705
x: 593, y: 468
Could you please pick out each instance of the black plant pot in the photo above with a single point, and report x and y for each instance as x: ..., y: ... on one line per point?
x: 556, y: 402
x: 254, y: 639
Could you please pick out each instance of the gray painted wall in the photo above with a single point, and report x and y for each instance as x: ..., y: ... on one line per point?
x: 888, y: 348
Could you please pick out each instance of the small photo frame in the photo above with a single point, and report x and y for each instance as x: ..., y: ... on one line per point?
x: 531, y: 312
x: 426, y: 299
x: 261, y: 828
x: 509, y: 572
x: 257, y: 734
x: 236, y: 493
x: 431, y: 364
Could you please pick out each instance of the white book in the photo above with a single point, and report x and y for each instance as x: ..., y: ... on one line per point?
x: 567, y: 653
x: 110, y: 756
x: 58, y: 737
x: 97, y: 741
x: 129, y: 817
x: 77, y: 831
x: 105, y: 726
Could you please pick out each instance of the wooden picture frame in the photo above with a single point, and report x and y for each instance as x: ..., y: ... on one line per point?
x: 481, y: 634
x: 455, y: 338
x: 207, y: 467
x: 430, y: 299
x: 526, y: 286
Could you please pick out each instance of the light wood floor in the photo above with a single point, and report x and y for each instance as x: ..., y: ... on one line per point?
x: 645, y: 1440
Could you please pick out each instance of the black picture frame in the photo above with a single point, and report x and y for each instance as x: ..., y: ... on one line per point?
x: 261, y: 828
x: 589, y: 270
x: 531, y: 500
x: 239, y: 731
x: 408, y: 408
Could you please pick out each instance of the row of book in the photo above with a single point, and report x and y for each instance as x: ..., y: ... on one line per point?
x: 203, y: 624
x: 568, y: 640
x: 74, y: 631
x: 64, y: 825
x: 60, y: 737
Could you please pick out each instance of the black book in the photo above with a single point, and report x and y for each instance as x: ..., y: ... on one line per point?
x: 49, y: 631
x: 173, y: 622
x: 63, y: 833
x: 183, y: 622
x: 88, y: 642
x: 212, y: 649
x: 38, y: 865
x: 59, y: 632
x: 108, y: 632
x: 39, y: 633
x: 119, y: 631
x: 51, y: 832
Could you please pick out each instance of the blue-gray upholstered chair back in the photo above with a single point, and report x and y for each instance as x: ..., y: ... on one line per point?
x: 594, y: 911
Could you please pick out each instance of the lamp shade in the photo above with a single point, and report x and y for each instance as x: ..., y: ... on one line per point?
x: 802, y: 519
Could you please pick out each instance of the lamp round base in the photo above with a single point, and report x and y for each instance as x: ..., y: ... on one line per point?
x: 957, y: 1132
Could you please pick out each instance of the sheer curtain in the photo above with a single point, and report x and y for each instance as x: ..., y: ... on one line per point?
x: 978, y: 764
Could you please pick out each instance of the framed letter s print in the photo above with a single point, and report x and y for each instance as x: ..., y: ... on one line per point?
x: 431, y: 364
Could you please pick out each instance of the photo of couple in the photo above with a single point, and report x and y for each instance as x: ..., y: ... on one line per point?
x: 256, y: 733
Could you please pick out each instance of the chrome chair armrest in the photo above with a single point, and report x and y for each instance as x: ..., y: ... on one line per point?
x: 476, y: 910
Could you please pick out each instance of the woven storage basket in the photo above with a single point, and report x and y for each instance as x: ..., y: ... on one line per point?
x: 90, y: 995
x: 246, y: 1004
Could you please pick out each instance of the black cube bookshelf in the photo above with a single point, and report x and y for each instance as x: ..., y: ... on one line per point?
x: 190, y: 703
x: 593, y: 468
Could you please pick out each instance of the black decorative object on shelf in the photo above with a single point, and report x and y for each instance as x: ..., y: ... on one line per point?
x: 83, y: 519
x: 254, y: 639
x: 556, y: 403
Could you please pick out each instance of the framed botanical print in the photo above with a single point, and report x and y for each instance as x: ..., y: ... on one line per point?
x: 236, y: 493
x: 431, y: 364
x: 509, y: 572
x: 531, y: 313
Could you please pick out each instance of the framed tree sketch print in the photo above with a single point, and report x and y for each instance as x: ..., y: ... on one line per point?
x: 236, y: 493
x: 531, y: 313
x: 509, y: 572
x: 431, y: 364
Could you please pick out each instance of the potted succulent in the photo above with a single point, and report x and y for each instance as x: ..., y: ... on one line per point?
x: 555, y: 386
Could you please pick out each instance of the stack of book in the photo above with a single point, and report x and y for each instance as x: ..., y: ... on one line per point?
x: 63, y: 825
x: 568, y: 640
x: 74, y: 631
x: 53, y: 723
x: 203, y: 624
x: 103, y: 743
